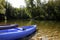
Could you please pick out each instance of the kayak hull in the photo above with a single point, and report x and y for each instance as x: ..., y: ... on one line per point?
x: 16, y: 33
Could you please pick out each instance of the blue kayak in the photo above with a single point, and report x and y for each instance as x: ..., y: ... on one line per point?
x: 8, y: 26
x: 15, y: 33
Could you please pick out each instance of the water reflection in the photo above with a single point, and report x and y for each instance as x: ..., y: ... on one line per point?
x: 50, y: 29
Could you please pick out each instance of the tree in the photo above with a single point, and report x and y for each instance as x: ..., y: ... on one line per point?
x: 2, y: 6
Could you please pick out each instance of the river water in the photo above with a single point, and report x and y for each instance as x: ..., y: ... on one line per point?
x: 46, y: 30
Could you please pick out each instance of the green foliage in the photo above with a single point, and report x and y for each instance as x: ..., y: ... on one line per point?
x: 53, y: 9
x: 2, y: 6
x: 50, y: 10
x: 34, y: 10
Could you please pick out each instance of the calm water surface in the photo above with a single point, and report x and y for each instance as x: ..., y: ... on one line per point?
x: 46, y: 30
